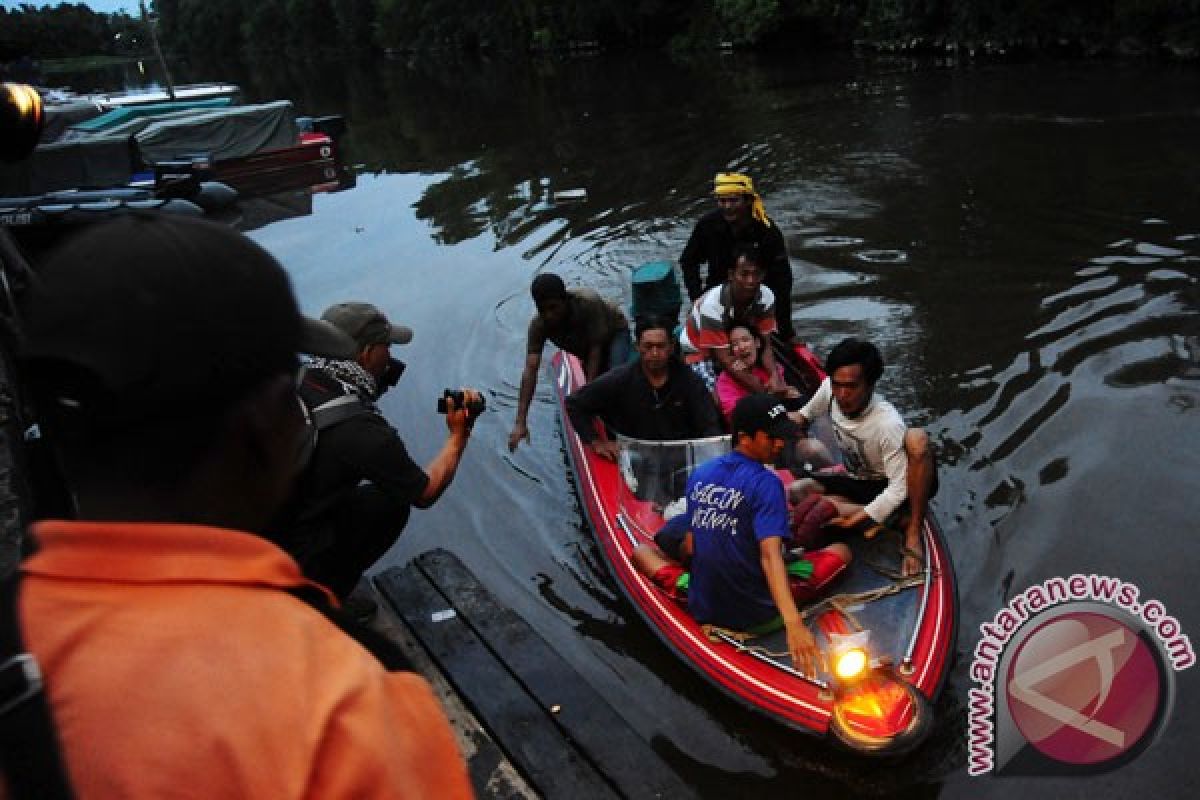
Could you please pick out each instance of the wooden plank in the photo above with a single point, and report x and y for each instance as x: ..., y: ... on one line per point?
x: 491, y: 774
x: 585, y: 716
x: 520, y: 726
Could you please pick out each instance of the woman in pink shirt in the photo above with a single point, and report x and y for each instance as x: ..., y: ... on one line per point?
x: 746, y: 345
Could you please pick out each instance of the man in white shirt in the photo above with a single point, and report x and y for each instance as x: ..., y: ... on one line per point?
x: 887, y: 463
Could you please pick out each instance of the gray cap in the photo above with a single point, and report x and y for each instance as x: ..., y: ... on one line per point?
x: 366, y: 324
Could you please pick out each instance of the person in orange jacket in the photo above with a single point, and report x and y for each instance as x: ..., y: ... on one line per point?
x: 183, y: 654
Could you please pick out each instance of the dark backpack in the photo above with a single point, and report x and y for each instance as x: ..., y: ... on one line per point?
x: 325, y: 415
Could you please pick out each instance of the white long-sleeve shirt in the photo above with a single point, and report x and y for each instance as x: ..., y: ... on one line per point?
x: 872, y: 445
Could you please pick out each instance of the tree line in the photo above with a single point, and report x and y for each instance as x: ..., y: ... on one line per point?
x: 211, y: 29
x: 523, y: 25
x: 66, y: 30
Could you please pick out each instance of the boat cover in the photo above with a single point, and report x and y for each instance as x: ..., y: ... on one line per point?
x: 93, y: 164
x: 61, y: 116
x: 219, y: 133
x: 132, y: 125
x: 119, y: 116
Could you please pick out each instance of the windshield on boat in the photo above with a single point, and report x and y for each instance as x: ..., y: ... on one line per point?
x: 654, y: 476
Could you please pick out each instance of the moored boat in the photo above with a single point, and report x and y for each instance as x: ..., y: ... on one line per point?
x: 898, y: 632
x: 179, y: 157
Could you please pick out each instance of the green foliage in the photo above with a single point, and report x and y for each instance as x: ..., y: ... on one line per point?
x: 212, y: 30
x: 65, y: 30
x: 747, y: 20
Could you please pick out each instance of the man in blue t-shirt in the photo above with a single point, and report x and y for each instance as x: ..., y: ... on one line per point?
x: 738, y: 521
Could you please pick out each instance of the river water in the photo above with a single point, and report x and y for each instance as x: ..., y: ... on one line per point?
x: 1022, y: 241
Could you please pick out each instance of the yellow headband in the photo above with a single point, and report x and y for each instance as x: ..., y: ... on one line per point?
x: 730, y: 183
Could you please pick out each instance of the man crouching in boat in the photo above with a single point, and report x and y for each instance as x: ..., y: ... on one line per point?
x: 889, y: 466
x: 655, y: 397
x: 738, y: 521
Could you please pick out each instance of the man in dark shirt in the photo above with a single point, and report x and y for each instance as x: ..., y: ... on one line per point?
x: 353, y: 499
x: 656, y: 397
x: 579, y: 322
x: 739, y: 219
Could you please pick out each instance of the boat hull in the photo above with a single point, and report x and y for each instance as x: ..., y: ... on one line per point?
x: 917, y: 626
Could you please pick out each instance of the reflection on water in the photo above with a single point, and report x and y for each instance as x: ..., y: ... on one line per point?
x: 1022, y: 241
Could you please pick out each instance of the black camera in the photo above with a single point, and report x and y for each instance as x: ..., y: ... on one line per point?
x: 476, y: 407
x: 391, y: 374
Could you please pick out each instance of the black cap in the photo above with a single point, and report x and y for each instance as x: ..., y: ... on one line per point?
x: 149, y: 316
x: 762, y: 412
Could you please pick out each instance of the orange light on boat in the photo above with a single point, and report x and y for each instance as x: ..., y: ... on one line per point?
x: 848, y: 655
x: 850, y: 664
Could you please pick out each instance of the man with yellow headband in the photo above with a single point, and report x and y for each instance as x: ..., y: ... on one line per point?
x: 739, y: 219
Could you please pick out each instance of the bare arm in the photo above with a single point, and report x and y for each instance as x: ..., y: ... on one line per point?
x: 801, y: 644
x: 591, y: 365
x: 774, y: 382
x: 533, y: 362
x: 444, y: 465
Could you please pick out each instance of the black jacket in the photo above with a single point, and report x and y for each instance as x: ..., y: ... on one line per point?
x: 713, y: 242
x: 624, y: 399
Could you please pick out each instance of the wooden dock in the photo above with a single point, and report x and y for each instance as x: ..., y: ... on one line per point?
x: 530, y: 725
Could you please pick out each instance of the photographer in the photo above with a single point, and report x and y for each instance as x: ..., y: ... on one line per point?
x: 353, y: 498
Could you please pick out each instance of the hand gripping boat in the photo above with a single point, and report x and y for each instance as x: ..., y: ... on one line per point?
x: 886, y: 640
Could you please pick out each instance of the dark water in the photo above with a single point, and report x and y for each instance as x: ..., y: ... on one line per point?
x: 1023, y: 241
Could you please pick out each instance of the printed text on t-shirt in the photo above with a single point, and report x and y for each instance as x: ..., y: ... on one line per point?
x: 715, y: 501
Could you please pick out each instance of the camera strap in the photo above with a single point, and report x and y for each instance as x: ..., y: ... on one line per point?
x: 30, y: 755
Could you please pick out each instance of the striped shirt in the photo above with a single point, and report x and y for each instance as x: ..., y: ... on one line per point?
x: 706, y: 326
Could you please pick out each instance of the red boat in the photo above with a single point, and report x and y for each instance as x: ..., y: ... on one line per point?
x: 887, y: 640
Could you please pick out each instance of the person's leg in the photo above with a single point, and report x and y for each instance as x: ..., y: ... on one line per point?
x: 813, y: 454
x: 649, y: 558
x: 804, y: 487
x: 920, y: 483
x: 665, y: 573
x: 807, y: 520
x: 369, y: 524
x: 827, y: 564
x: 674, y: 540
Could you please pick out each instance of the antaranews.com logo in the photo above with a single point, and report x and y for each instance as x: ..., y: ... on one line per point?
x: 1075, y: 676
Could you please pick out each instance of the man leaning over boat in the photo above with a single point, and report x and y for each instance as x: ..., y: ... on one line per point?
x: 579, y: 322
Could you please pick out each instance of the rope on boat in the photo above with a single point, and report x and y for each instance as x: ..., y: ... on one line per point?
x: 838, y: 602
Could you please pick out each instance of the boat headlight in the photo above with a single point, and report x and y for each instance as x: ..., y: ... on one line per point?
x: 849, y: 657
